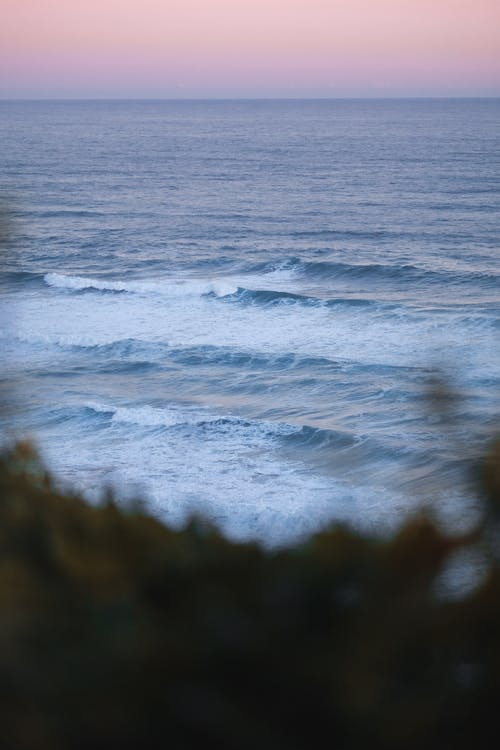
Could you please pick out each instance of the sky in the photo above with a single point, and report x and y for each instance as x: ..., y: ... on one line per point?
x: 248, y: 48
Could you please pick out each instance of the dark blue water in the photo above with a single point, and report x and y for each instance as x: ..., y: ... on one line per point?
x: 239, y: 307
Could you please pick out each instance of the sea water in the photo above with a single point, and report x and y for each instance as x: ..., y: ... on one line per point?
x: 244, y: 309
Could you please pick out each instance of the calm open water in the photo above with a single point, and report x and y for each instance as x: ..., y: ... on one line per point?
x: 237, y: 308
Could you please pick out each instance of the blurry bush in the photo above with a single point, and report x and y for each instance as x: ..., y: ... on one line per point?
x: 117, y: 632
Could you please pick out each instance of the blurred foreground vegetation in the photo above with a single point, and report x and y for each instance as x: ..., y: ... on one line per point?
x: 118, y: 632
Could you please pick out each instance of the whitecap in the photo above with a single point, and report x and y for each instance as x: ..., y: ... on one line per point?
x: 170, y: 288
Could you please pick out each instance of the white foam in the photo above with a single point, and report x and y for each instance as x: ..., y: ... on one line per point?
x: 145, y: 416
x: 181, y: 316
x: 170, y: 288
x: 149, y: 416
x: 234, y: 474
x: 237, y: 473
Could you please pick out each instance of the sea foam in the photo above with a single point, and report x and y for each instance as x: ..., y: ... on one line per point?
x: 169, y: 288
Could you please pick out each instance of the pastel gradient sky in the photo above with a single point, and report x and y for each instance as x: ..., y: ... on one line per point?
x: 249, y: 48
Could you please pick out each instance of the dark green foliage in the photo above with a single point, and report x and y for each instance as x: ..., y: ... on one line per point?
x: 117, y: 632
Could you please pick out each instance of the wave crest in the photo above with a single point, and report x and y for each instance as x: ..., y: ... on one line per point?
x: 168, y: 288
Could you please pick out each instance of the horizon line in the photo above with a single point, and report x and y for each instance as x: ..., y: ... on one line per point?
x: 237, y: 98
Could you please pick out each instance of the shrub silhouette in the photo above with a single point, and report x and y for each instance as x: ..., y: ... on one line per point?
x: 118, y: 632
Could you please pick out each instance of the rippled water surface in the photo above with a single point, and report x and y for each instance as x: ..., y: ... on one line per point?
x: 238, y: 307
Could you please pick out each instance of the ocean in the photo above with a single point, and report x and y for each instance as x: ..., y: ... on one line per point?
x: 275, y: 314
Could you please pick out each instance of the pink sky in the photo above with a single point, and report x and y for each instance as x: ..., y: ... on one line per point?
x: 247, y: 48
